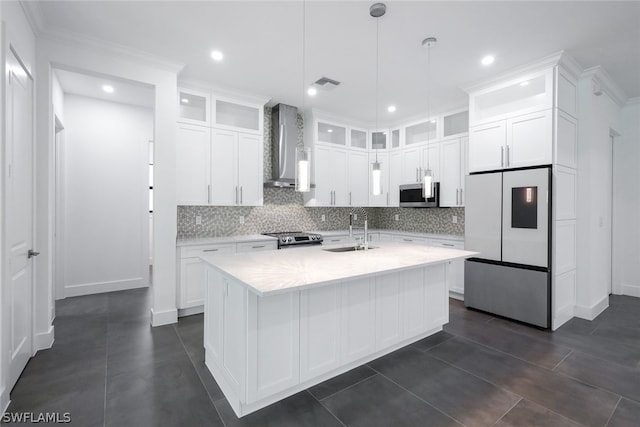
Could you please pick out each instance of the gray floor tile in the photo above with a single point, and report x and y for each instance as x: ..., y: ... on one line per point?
x: 568, y: 397
x: 170, y: 394
x: 82, y: 306
x: 605, y: 374
x: 379, y: 402
x: 529, y: 414
x: 432, y: 341
x: 336, y: 384
x: 540, y: 352
x: 299, y: 410
x: 460, y: 395
x: 627, y: 414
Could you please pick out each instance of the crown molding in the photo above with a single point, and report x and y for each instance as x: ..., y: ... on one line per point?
x: 82, y: 41
x: 34, y: 16
x: 632, y: 102
x: 541, y: 64
x: 600, y: 76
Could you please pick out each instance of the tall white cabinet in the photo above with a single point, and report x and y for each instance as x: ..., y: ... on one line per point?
x: 219, y: 150
x: 530, y: 118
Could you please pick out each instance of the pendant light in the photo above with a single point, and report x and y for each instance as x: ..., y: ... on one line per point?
x: 377, y: 10
x: 427, y: 179
x: 303, y: 154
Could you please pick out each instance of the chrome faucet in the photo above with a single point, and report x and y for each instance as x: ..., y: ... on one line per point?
x: 365, y: 243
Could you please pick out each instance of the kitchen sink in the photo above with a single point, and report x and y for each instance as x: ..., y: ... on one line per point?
x: 348, y: 249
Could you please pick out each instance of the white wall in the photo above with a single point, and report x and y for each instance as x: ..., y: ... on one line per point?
x: 80, y: 56
x: 598, y: 116
x: 626, y: 203
x: 105, y: 230
x: 16, y: 33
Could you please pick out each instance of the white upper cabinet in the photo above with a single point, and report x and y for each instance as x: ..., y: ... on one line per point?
x: 234, y: 115
x: 331, y: 179
x: 395, y: 139
x: 358, y: 178
x: 193, y: 164
x: 358, y: 139
x: 530, y: 140
x: 425, y: 131
x: 395, y: 177
x: 452, y: 172
x: 487, y: 146
x: 328, y: 133
x: 194, y: 107
x: 455, y: 124
x: 526, y: 94
x: 236, y: 168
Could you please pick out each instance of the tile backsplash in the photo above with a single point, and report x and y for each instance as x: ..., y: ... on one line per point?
x: 284, y: 210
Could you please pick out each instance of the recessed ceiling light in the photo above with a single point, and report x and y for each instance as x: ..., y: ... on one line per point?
x: 184, y: 100
x: 330, y: 130
x: 391, y: 108
x: 524, y: 83
x: 216, y: 55
x: 488, y: 60
x: 107, y: 88
x: 312, y: 91
x: 433, y: 121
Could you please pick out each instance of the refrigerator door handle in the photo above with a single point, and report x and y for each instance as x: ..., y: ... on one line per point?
x: 501, y: 157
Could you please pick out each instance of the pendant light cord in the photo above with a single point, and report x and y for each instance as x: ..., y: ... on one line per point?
x: 304, y: 42
x: 428, y: 103
x: 377, y: 74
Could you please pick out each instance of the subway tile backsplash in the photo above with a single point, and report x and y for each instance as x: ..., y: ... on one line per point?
x: 284, y: 210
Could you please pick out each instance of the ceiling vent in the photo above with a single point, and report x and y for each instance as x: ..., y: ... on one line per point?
x: 326, y: 83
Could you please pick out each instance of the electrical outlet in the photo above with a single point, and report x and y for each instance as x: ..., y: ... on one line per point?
x: 323, y: 218
x: 198, y: 220
x: 454, y: 219
x: 241, y: 217
x: 355, y: 217
x: 397, y: 217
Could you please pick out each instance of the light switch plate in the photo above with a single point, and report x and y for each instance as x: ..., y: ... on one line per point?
x: 323, y: 218
x: 397, y: 217
x: 454, y: 219
x: 241, y: 219
x: 198, y: 220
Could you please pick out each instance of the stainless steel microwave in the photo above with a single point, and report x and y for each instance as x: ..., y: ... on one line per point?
x: 411, y: 196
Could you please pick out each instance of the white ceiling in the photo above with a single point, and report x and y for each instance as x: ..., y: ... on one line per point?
x: 124, y: 92
x: 262, y: 43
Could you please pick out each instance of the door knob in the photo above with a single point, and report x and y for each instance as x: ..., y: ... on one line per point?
x: 32, y: 253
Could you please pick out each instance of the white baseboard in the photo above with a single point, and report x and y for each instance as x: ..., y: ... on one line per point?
x: 44, y: 340
x: 191, y: 310
x: 98, y: 288
x: 562, y: 316
x: 167, y: 317
x: 631, y: 290
x: 590, y: 313
x: 456, y: 295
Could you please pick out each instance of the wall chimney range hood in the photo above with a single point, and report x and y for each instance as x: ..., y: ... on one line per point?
x: 284, y: 139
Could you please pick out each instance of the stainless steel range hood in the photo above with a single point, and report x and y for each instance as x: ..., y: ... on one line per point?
x: 284, y: 139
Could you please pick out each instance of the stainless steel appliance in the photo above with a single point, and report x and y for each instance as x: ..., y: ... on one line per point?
x: 507, y: 220
x: 411, y: 196
x: 295, y: 239
x: 284, y: 122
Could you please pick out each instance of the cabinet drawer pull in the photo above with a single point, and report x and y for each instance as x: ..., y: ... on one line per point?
x: 257, y: 247
x: 408, y: 240
x: 447, y: 244
x: 210, y: 250
x: 335, y: 240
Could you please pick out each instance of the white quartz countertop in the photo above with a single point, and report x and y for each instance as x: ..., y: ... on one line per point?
x: 332, y: 233
x: 274, y: 272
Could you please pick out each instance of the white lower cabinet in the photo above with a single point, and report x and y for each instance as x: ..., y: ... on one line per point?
x: 413, y: 312
x: 388, y: 310
x: 456, y: 268
x: 319, y: 331
x: 436, y: 297
x: 273, y: 347
x: 357, y: 319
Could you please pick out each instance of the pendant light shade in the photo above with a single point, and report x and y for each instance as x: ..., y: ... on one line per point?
x: 303, y: 169
x: 376, y: 179
x: 427, y: 184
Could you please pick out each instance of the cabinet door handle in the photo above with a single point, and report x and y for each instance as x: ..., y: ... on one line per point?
x: 501, y: 157
x: 209, y: 194
x: 447, y: 244
x: 507, y: 157
x: 457, y: 199
x: 241, y: 194
x: 257, y: 247
x: 407, y: 240
x: 461, y: 200
x: 416, y: 174
x: 210, y: 250
x: 387, y: 197
x: 349, y: 198
x: 236, y: 194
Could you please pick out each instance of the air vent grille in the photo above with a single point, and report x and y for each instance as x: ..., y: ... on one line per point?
x: 326, y: 83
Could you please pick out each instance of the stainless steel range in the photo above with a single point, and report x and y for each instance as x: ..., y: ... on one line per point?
x: 293, y: 239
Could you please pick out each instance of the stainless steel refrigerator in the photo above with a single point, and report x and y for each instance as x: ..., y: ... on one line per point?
x: 507, y: 220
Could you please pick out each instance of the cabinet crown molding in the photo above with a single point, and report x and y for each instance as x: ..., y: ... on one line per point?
x: 599, y: 76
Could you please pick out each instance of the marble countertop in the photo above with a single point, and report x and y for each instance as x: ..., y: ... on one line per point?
x: 274, y: 272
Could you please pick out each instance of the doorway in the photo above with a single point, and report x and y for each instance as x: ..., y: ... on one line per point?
x: 103, y: 184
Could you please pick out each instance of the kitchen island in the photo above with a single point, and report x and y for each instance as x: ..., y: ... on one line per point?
x: 278, y: 322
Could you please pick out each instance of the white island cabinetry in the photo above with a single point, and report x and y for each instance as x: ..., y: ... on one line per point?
x: 267, y: 338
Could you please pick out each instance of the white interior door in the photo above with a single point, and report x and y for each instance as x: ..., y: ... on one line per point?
x: 19, y: 215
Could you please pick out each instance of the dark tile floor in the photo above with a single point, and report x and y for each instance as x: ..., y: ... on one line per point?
x: 109, y: 368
